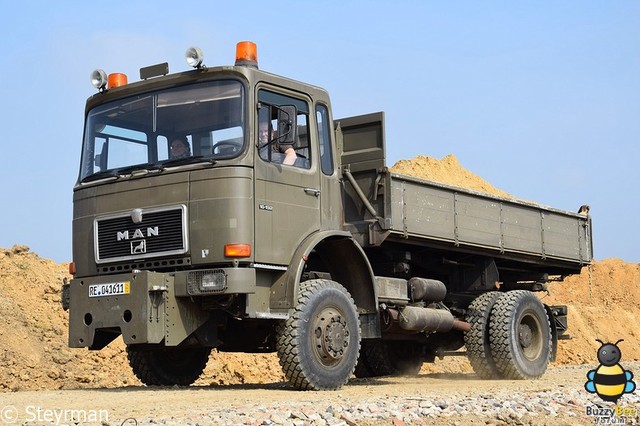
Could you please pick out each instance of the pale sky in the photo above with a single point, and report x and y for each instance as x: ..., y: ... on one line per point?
x: 542, y: 99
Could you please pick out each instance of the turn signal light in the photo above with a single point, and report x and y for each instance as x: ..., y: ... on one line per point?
x: 237, y: 250
x: 72, y: 268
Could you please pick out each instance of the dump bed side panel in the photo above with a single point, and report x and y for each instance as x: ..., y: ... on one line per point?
x: 429, y: 210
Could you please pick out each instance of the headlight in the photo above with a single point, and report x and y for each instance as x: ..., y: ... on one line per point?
x: 204, y: 282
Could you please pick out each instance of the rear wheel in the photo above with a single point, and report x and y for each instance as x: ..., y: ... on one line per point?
x: 393, y: 358
x: 363, y: 367
x: 168, y: 366
x: 477, y: 339
x: 318, y: 345
x: 520, y: 335
x: 362, y: 370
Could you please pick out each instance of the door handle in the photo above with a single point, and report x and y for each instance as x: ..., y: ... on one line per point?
x: 312, y: 191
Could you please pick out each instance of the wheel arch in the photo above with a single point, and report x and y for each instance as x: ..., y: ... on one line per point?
x: 329, y: 249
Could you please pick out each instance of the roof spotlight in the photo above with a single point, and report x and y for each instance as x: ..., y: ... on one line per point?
x: 194, y: 57
x: 99, y: 79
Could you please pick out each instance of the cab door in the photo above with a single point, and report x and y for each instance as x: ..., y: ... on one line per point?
x: 287, y: 203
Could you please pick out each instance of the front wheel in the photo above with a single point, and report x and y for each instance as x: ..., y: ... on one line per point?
x: 318, y: 345
x: 520, y: 335
x: 168, y: 366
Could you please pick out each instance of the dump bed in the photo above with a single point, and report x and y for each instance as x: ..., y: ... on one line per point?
x: 380, y: 205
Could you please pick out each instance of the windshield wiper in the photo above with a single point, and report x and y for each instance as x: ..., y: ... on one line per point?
x: 144, y: 168
x: 124, y: 171
x: 189, y: 160
x: 102, y: 175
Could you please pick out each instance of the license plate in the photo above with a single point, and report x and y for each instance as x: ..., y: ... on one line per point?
x: 109, y: 289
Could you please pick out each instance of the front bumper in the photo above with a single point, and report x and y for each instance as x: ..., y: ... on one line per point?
x: 145, y: 307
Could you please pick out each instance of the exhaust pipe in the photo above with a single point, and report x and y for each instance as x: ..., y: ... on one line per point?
x: 418, y: 319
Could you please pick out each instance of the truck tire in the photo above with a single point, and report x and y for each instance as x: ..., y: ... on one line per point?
x: 375, y: 356
x: 363, y: 370
x: 477, y: 339
x: 393, y: 358
x: 318, y: 345
x: 520, y: 335
x: 168, y: 366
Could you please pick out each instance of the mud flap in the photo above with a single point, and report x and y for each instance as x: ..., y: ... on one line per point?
x: 559, y: 324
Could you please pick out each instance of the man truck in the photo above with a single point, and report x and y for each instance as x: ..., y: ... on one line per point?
x: 326, y: 257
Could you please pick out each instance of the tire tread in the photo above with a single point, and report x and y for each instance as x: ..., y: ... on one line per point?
x: 150, y: 369
x: 289, y: 355
x: 477, y: 339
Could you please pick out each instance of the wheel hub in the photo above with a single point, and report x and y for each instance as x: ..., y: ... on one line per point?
x: 331, y: 335
x: 525, y: 335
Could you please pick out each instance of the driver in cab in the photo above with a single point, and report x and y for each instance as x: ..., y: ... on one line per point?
x: 179, y: 148
x: 287, y: 150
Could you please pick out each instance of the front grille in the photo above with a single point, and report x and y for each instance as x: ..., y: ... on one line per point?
x: 161, y: 232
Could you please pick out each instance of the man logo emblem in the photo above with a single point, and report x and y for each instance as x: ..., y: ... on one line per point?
x: 139, y: 247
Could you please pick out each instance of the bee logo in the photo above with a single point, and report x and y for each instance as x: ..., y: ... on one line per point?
x: 610, y: 381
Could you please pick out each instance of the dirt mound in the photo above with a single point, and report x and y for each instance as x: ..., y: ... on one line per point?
x: 603, y: 304
x: 448, y: 171
x: 34, y: 355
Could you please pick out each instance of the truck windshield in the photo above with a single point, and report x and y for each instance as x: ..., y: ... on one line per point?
x: 199, y: 122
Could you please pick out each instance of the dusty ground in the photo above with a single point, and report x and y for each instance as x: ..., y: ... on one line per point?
x: 33, y: 333
x: 199, y: 404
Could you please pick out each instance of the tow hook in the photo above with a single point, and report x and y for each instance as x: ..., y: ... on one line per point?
x: 156, y: 295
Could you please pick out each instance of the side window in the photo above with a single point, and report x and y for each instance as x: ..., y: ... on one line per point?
x: 273, y: 145
x: 324, y: 138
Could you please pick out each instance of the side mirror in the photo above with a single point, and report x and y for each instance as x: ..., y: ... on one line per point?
x: 287, y: 124
x: 100, y: 160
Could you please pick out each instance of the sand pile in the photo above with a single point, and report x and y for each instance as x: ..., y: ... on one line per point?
x: 448, y: 171
x: 603, y: 304
x: 33, y: 333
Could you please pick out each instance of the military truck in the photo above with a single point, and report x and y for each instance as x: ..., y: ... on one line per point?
x: 280, y: 229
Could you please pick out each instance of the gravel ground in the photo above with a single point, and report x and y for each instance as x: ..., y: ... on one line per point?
x: 538, y: 408
x: 559, y: 398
